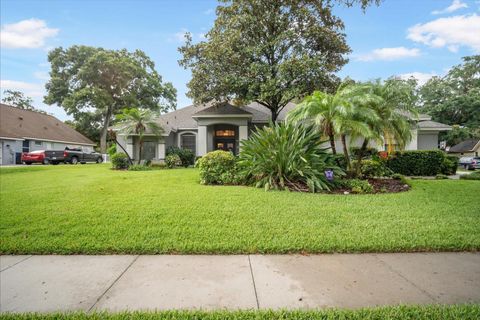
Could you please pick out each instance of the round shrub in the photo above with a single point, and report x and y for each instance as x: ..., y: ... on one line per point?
x: 120, y: 161
x: 358, y: 186
x: 373, y: 168
x: 217, y: 167
x: 449, y: 165
x: 186, y: 156
x: 287, y: 156
x: 173, y: 160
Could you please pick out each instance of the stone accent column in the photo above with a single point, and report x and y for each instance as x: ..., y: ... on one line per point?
x: 202, y: 141
x: 129, y: 147
x: 161, y: 151
x: 413, y: 144
x: 242, y: 135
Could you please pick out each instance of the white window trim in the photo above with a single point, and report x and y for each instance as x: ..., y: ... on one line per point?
x: 180, y: 134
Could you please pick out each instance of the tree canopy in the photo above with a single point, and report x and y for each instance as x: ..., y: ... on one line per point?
x: 271, y: 52
x: 92, y: 83
x: 455, y: 98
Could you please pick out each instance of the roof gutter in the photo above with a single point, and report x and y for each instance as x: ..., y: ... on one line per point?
x: 60, y: 141
x: 8, y: 138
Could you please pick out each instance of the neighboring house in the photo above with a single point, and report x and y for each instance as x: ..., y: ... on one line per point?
x: 26, y: 131
x: 470, y: 147
x: 205, y: 128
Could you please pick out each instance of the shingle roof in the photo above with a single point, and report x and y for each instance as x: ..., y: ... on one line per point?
x: 183, y: 118
x: 19, y: 123
x: 222, y: 109
x: 433, y: 125
x: 465, y: 146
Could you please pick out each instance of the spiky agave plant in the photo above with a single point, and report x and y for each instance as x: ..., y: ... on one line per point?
x: 287, y: 156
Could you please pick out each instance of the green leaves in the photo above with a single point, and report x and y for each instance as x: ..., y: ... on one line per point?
x: 287, y: 156
x: 455, y: 98
x: 88, y: 80
x: 267, y: 51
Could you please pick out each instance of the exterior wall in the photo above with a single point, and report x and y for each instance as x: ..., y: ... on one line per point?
x: 9, y: 149
x: 413, y: 145
x: 206, y: 129
x: 47, y: 145
x: 427, y: 140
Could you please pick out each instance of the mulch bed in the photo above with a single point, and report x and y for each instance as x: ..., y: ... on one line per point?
x: 388, y: 185
x: 380, y: 186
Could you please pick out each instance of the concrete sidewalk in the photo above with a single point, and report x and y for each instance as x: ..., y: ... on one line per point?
x: 61, y: 283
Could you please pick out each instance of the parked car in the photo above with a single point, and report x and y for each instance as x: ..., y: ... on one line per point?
x: 37, y: 156
x: 470, y: 163
x: 73, y: 156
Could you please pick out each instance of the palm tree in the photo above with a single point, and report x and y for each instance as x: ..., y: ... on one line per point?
x: 335, y: 114
x: 137, y: 122
x: 393, y: 103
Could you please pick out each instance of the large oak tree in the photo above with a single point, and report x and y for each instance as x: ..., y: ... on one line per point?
x: 271, y: 52
x: 98, y: 83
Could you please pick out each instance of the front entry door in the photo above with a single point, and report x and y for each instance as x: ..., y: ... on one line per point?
x: 148, y: 150
x: 225, y: 145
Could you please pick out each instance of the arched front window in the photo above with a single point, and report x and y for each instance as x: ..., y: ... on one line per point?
x: 188, y: 141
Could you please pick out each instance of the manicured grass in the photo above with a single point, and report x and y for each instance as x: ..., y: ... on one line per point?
x: 464, y: 312
x: 94, y: 210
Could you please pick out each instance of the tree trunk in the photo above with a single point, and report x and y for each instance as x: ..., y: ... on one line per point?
x: 332, y: 143
x: 274, y: 116
x: 129, y: 159
x: 361, y: 152
x: 103, y: 132
x: 140, y: 149
x: 345, y: 152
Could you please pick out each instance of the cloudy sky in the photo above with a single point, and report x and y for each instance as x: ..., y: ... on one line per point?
x: 418, y: 38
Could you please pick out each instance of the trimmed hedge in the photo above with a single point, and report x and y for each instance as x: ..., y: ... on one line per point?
x: 421, y: 163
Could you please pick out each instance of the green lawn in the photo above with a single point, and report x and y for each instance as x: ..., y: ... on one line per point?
x: 463, y: 312
x: 91, y: 209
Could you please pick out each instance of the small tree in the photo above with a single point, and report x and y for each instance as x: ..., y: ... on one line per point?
x: 138, y: 122
x: 335, y: 115
x: 393, y: 103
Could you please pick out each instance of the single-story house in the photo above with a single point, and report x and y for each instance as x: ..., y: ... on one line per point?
x: 469, y: 147
x: 207, y: 127
x: 25, y: 131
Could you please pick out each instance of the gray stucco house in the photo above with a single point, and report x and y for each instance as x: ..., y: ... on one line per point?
x: 204, y: 128
x: 26, y: 131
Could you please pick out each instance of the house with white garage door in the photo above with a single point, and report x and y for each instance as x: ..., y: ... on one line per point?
x: 25, y: 131
x: 204, y: 128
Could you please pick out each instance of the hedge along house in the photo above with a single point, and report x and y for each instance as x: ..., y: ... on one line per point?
x: 205, y: 128
x: 26, y: 131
